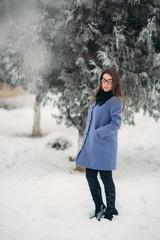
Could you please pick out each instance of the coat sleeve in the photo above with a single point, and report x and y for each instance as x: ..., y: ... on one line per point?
x: 116, y: 118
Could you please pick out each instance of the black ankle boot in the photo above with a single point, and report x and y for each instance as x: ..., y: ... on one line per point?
x: 97, y: 198
x: 111, y: 210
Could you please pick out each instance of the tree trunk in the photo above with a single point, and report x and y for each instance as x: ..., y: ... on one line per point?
x: 36, y: 125
x: 80, y: 138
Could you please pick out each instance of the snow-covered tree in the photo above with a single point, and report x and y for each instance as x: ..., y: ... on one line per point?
x: 27, y: 58
x: 109, y: 33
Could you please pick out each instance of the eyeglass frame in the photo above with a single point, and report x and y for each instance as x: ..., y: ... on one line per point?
x: 103, y: 80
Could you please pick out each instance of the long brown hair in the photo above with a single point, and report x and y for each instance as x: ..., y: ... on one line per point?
x: 116, y: 89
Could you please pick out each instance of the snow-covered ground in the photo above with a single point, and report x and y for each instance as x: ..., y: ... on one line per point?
x: 43, y: 198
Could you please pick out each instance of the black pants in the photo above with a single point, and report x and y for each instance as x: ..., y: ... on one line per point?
x: 106, y: 177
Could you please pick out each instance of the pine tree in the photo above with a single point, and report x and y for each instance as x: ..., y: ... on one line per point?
x: 109, y: 33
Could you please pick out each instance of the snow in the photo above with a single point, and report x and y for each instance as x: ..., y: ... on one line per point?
x: 42, y: 197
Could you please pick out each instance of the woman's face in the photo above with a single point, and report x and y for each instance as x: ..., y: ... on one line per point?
x: 105, y: 85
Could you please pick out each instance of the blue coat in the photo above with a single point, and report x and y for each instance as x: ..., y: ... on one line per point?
x: 99, y: 146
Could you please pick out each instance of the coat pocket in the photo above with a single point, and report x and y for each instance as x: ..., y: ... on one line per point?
x: 104, y: 139
x: 97, y: 136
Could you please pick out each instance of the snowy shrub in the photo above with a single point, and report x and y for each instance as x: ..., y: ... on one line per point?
x: 60, y: 143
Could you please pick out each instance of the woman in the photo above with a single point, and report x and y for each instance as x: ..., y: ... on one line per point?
x: 98, y: 153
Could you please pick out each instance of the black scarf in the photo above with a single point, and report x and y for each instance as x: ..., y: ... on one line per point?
x: 103, y: 96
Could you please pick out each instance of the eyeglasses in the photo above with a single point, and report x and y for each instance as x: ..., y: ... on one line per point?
x: 109, y: 81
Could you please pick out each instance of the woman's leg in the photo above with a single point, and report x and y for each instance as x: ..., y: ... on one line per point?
x: 95, y: 189
x: 91, y: 176
x: 107, y: 180
x: 110, y: 192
